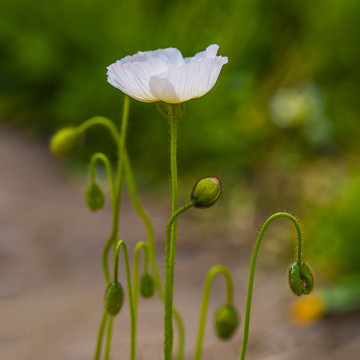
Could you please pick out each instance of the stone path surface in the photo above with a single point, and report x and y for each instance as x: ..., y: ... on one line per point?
x: 51, y: 284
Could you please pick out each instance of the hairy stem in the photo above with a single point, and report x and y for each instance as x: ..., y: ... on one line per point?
x: 152, y: 255
x: 168, y: 326
x: 170, y: 252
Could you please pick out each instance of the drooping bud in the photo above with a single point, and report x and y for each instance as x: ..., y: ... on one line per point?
x: 226, y: 321
x: 206, y: 192
x: 94, y: 197
x: 300, y: 278
x: 114, y: 297
x: 64, y: 142
x: 147, y: 286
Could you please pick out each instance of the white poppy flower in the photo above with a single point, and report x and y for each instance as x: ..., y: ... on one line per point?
x: 164, y: 75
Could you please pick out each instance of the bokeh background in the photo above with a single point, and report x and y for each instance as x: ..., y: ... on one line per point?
x: 280, y: 128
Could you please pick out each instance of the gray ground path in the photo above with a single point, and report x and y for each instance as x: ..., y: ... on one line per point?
x: 51, y: 284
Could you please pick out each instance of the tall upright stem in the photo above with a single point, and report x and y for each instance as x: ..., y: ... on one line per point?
x: 173, y: 162
x: 152, y: 255
x: 252, y: 271
x: 168, y: 326
x: 119, y: 182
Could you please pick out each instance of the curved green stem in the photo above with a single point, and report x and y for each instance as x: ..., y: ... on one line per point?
x: 170, y: 245
x: 105, y: 261
x: 100, y: 120
x: 252, y: 271
x: 140, y: 245
x: 100, y: 335
x: 130, y: 182
x: 129, y: 178
x: 121, y: 147
x: 110, y: 126
x: 181, y: 334
x: 219, y: 269
x: 152, y: 255
x: 102, y: 157
x: 122, y: 244
x: 119, y: 178
x: 170, y: 252
x: 109, y: 337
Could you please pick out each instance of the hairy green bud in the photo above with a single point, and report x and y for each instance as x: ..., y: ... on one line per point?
x: 114, y: 297
x: 147, y: 286
x: 65, y: 141
x: 226, y: 322
x: 206, y: 192
x: 94, y: 197
x: 300, y: 278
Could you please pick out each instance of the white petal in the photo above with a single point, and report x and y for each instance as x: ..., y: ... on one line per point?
x: 164, y: 90
x: 210, y: 51
x: 190, y: 81
x: 132, y: 78
x: 171, y: 56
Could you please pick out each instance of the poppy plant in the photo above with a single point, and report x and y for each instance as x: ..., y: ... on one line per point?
x: 164, y: 75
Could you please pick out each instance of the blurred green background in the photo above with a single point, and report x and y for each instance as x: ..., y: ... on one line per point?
x: 280, y: 128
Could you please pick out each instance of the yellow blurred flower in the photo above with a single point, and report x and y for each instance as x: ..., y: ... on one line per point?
x: 307, y: 310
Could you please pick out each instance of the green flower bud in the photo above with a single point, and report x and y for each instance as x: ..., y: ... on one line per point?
x: 94, y: 197
x: 226, y: 322
x: 147, y: 286
x: 300, y: 278
x: 64, y: 142
x: 114, y: 297
x: 206, y: 191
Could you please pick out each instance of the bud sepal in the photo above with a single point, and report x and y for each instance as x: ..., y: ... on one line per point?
x: 94, y: 197
x: 300, y: 278
x: 206, y: 192
x: 226, y: 322
x: 65, y: 141
x: 114, y: 297
x: 147, y: 286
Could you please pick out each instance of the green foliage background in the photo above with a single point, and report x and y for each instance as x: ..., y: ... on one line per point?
x: 53, y: 72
